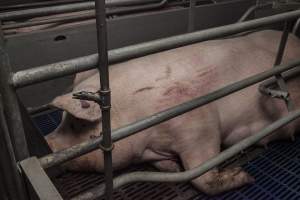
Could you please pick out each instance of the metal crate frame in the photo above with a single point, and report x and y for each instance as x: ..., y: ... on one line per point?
x: 33, y: 168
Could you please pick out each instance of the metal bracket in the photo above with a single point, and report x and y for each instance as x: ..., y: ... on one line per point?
x: 99, y: 97
x: 274, y: 93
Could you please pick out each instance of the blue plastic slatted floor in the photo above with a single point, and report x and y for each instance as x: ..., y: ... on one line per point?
x: 277, y: 170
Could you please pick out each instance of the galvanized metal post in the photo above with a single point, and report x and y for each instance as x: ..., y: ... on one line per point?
x: 104, y: 95
x: 10, y: 104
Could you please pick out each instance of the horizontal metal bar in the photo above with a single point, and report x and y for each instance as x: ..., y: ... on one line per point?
x: 51, y: 10
x: 86, y: 16
x: 121, y: 133
x: 37, y: 4
x: 197, y: 171
x: 60, y: 69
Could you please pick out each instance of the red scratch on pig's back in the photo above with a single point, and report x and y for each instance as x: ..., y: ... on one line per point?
x: 197, y: 84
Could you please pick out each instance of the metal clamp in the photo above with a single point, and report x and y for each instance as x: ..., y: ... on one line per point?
x: 104, y: 99
x: 107, y: 149
x: 88, y: 96
x: 101, y: 97
x: 274, y: 93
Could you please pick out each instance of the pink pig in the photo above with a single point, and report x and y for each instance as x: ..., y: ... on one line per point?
x: 146, y: 85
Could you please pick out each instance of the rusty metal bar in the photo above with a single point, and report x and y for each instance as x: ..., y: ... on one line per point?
x: 47, y: 72
x: 195, y: 172
x: 126, y: 131
x: 105, y: 96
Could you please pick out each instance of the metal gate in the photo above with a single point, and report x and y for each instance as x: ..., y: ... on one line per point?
x: 33, y: 169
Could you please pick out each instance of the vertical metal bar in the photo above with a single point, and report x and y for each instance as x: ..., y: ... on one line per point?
x: 10, y: 104
x: 191, y: 23
x: 11, y: 177
x: 104, y: 95
x: 280, y: 53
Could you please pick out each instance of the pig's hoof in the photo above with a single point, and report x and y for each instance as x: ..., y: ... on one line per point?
x: 167, y: 166
x: 228, y: 179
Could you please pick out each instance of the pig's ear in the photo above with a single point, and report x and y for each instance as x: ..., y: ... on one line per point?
x: 80, y: 109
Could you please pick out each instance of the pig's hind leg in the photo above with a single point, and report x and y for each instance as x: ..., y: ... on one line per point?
x: 200, y: 149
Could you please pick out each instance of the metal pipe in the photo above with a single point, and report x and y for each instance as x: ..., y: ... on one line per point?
x: 86, y: 16
x: 283, y: 92
x: 11, y: 106
x: 105, y: 96
x: 121, y: 133
x: 191, y: 22
x: 195, y: 172
x: 39, y: 109
x: 280, y: 81
x: 296, y: 26
x: 12, y: 179
x: 37, y: 4
x: 64, y: 19
x: 137, y: 8
x: 252, y: 9
x: 60, y: 69
x: 51, y: 10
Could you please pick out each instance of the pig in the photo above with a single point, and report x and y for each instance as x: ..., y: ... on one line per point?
x: 143, y: 86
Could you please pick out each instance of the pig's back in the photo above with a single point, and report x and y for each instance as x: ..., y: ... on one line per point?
x: 149, y: 84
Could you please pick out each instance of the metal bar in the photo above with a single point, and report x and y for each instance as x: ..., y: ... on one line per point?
x: 39, y: 109
x: 281, y: 83
x: 64, y: 19
x: 11, y: 108
x: 104, y: 96
x: 283, y: 92
x: 51, y: 10
x: 88, y: 146
x: 12, y: 179
x: 37, y: 4
x: 252, y: 9
x: 47, y: 72
x: 38, y: 179
x: 296, y: 26
x: 86, y: 16
x: 191, y: 24
x: 195, y: 172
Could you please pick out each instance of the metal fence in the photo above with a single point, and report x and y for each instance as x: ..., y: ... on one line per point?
x: 10, y: 82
